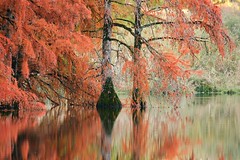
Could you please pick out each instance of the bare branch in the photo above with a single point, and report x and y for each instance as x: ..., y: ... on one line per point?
x: 8, y: 19
x: 155, y: 23
x: 166, y: 22
x: 124, y: 27
x: 122, y: 43
x: 92, y: 31
x: 198, y: 39
x: 124, y: 20
x: 157, y: 8
x: 124, y: 4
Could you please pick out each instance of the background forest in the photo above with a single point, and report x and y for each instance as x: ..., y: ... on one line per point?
x: 56, y: 53
x: 222, y: 74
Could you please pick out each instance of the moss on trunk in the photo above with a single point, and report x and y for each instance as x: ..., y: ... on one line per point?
x: 108, y: 97
x: 108, y: 106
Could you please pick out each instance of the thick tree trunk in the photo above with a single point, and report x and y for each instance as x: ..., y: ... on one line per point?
x: 10, y: 60
x: 7, y: 32
x: 106, y: 43
x: 138, y: 99
x: 16, y: 67
x: 108, y: 97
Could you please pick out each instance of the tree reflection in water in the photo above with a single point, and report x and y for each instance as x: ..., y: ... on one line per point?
x: 208, y: 130
x: 13, y: 144
x: 108, y: 117
x: 62, y: 134
x: 140, y: 131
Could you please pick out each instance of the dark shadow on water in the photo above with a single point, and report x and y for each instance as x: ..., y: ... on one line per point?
x: 108, y: 108
x: 9, y: 107
x: 108, y: 117
x: 13, y: 113
x: 27, y: 145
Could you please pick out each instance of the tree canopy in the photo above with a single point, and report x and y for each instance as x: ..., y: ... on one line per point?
x: 50, y: 49
x: 42, y: 47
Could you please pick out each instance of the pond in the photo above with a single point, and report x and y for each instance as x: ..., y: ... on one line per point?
x: 199, y: 128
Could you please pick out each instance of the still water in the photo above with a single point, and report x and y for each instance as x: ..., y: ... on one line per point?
x: 199, y: 128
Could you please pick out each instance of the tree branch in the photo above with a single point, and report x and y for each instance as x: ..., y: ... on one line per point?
x: 157, y: 8
x: 58, y: 77
x: 125, y: 20
x: 124, y: 27
x: 155, y: 23
x: 166, y: 22
x: 163, y: 38
x: 122, y: 43
x: 124, y: 4
x: 198, y: 39
x: 8, y: 19
x: 92, y: 31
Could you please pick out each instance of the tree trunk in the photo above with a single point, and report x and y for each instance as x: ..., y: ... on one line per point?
x: 108, y: 97
x: 138, y: 99
x: 17, y: 65
x: 7, y: 32
x: 106, y: 43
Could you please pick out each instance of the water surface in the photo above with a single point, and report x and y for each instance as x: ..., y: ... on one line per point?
x: 199, y: 128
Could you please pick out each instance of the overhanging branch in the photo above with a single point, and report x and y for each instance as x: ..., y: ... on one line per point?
x: 93, y: 31
x: 8, y: 19
x: 124, y: 27
x: 122, y: 43
x: 124, y: 4
x: 167, y: 22
x: 124, y: 20
x: 198, y: 39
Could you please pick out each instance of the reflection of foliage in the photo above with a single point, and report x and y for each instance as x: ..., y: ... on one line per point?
x: 62, y: 134
x: 11, y: 126
x: 208, y: 128
x: 75, y: 136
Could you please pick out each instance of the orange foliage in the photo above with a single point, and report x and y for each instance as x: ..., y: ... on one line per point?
x: 44, y: 30
x: 48, y: 36
x: 140, y: 77
x: 178, y: 22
